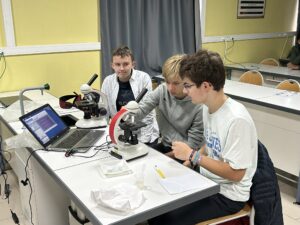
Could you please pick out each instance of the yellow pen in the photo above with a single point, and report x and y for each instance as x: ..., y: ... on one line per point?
x: 160, y: 172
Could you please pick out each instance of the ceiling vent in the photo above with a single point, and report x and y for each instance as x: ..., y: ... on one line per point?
x: 251, y: 8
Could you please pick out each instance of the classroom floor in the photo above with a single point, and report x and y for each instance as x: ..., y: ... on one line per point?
x: 291, y: 212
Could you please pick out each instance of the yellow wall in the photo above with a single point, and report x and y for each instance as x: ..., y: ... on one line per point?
x: 76, y: 21
x: 250, y: 50
x: 64, y: 72
x: 1, y: 28
x: 221, y: 19
x: 53, y: 22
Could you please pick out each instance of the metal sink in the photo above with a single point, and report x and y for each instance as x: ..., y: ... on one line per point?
x: 7, y: 101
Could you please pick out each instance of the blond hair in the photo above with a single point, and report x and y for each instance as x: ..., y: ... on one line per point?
x: 171, y: 67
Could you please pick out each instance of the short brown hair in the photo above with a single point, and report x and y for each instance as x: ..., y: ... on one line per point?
x: 171, y: 67
x: 204, y: 66
x: 123, y: 51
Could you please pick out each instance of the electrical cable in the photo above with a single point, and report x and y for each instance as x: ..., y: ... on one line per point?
x: 287, y: 37
x: 7, y: 190
x: 4, y: 60
x: 103, y: 147
x: 27, y: 181
x: 225, y: 54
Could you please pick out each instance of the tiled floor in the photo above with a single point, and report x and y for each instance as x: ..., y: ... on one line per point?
x: 291, y: 212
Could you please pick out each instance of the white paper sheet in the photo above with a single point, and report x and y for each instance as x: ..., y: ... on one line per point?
x: 179, y: 184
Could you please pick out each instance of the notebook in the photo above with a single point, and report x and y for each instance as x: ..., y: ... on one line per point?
x: 53, y: 134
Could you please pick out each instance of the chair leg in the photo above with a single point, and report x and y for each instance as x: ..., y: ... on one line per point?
x: 298, y: 191
x: 251, y: 216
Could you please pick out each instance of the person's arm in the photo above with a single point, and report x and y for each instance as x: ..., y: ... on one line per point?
x: 294, y: 57
x: 148, y: 103
x: 183, y: 151
x: 195, y: 132
x: 293, y: 66
x: 105, y: 90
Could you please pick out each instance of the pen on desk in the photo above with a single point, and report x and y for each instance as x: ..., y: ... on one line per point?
x: 160, y: 172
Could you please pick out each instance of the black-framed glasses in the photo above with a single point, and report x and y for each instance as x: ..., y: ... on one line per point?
x: 188, y: 86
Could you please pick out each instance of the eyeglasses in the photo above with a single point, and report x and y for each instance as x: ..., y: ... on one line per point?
x: 188, y: 86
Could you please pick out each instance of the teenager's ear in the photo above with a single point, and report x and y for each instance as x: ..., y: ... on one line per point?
x: 206, y: 84
x: 133, y: 64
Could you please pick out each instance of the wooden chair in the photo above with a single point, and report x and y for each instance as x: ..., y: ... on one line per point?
x: 270, y: 61
x: 246, y: 211
x: 252, y: 77
x: 290, y: 85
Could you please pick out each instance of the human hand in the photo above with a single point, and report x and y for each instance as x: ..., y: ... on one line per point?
x: 293, y: 66
x: 187, y: 163
x: 181, y: 150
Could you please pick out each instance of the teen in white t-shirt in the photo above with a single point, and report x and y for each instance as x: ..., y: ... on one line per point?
x: 229, y: 156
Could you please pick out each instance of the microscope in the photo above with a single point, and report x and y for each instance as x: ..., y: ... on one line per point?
x: 94, y: 105
x: 122, y: 131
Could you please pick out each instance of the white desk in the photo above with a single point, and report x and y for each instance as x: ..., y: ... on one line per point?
x: 277, y: 71
x: 81, y: 179
x: 265, y: 96
x: 57, y: 180
x: 276, y: 114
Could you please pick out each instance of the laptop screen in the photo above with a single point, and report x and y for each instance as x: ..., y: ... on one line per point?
x: 45, y: 124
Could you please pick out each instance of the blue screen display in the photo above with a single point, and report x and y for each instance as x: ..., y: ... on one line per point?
x: 45, y: 124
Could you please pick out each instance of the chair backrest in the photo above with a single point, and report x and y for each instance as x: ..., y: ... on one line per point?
x: 264, y: 192
x: 252, y: 77
x: 270, y: 61
x: 290, y: 85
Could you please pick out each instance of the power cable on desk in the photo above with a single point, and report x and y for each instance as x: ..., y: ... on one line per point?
x: 27, y: 181
x: 7, y: 190
x: 103, y: 147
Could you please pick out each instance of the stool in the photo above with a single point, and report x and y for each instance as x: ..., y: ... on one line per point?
x: 246, y: 211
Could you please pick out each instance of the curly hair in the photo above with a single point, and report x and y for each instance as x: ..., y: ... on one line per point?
x: 123, y: 51
x: 204, y: 66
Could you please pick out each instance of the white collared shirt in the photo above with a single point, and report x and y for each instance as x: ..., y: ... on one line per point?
x: 138, y: 81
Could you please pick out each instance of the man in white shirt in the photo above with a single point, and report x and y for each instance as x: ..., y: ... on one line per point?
x: 124, y: 86
x: 229, y: 156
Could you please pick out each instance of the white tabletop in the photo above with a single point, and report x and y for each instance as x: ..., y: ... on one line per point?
x: 82, y: 179
x: 267, y: 69
x: 249, y: 91
x: 288, y: 101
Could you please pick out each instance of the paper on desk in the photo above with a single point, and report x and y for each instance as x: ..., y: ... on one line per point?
x: 121, y: 197
x: 113, y: 168
x: 179, y: 184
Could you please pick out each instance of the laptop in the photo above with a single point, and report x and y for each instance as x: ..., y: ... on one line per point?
x: 53, y: 134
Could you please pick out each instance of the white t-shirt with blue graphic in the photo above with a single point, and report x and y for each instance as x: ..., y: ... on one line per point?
x: 231, y: 137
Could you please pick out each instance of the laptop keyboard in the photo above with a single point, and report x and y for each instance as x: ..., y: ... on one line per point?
x: 89, y: 140
x: 81, y: 139
x: 73, y: 138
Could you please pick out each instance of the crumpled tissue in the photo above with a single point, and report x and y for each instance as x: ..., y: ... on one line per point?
x: 123, y: 197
